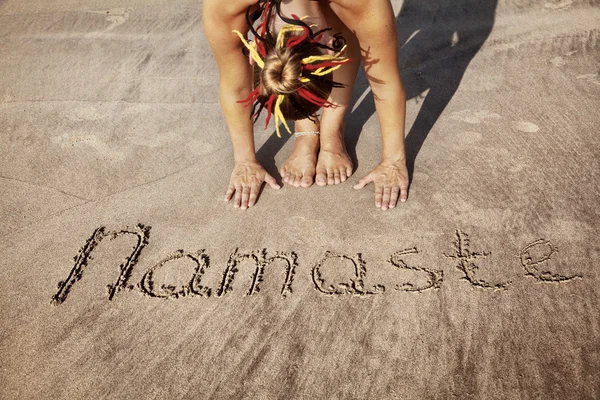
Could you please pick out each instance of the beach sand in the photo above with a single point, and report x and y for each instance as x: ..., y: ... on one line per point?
x: 124, y: 274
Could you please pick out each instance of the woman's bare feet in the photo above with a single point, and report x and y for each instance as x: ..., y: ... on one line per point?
x: 299, y: 169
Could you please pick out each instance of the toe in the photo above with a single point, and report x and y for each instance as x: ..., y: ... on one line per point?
x: 297, y: 180
x: 284, y: 174
x: 321, y: 177
x: 336, y: 177
x: 330, y: 178
x: 307, y: 180
x: 349, y: 171
x: 293, y: 179
x: 343, y: 176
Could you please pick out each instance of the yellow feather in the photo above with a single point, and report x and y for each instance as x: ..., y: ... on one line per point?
x: 255, y: 56
x: 326, y: 57
x: 279, y: 115
x: 321, y: 71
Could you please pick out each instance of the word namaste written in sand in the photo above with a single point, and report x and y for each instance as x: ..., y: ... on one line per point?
x: 533, y: 258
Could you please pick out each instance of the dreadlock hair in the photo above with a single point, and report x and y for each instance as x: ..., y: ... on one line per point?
x: 292, y: 71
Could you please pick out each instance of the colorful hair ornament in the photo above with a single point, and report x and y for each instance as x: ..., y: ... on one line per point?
x: 314, y: 70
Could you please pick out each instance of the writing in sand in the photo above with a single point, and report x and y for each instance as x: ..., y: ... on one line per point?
x: 533, y: 257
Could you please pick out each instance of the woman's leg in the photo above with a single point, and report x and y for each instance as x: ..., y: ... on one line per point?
x: 334, y: 165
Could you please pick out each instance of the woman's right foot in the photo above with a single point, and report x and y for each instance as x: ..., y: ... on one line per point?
x: 300, y: 168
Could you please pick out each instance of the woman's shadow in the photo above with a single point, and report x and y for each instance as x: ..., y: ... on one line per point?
x: 437, y: 40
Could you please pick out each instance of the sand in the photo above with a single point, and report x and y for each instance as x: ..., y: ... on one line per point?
x: 124, y: 275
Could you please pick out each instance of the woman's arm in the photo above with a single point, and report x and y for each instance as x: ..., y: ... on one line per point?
x: 373, y: 22
x: 219, y: 19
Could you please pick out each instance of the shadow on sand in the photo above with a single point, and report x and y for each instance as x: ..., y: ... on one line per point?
x: 437, y: 40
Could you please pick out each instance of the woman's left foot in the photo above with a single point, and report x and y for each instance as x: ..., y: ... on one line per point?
x: 333, y: 166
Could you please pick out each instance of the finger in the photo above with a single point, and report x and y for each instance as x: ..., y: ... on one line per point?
x: 245, y: 196
x: 394, y: 196
x: 363, y: 182
x: 403, y: 193
x: 253, y: 194
x: 238, y: 195
x: 336, y: 177
x: 229, y: 193
x: 378, y: 196
x: 330, y: 178
x: 385, y: 202
x: 271, y: 181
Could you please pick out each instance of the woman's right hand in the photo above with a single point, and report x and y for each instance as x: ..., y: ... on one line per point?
x: 246, y: 181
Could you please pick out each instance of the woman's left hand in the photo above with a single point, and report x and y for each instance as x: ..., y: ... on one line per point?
x: 391, y: 182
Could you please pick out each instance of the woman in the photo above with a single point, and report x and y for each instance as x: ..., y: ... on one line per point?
x: 369, y: 30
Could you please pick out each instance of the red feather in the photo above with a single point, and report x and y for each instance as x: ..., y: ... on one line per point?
x: 269, y: 105
x: 312, y: 67
x: 251, y: 97
x: 314, y: 98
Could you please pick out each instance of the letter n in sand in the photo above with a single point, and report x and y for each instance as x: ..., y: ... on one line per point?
x: 81, y: 260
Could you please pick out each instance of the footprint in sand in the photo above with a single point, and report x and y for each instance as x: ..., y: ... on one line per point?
x: 559, y: 6
x: 116, y: 16
x: 474, y: 117
x: 76, y: 140
x: 526, y: 127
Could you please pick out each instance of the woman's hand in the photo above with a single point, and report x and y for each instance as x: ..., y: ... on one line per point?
x: 246, y: 181
x: 391, y: 180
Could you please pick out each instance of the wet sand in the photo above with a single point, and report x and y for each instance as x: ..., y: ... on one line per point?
x: 125, y: 275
